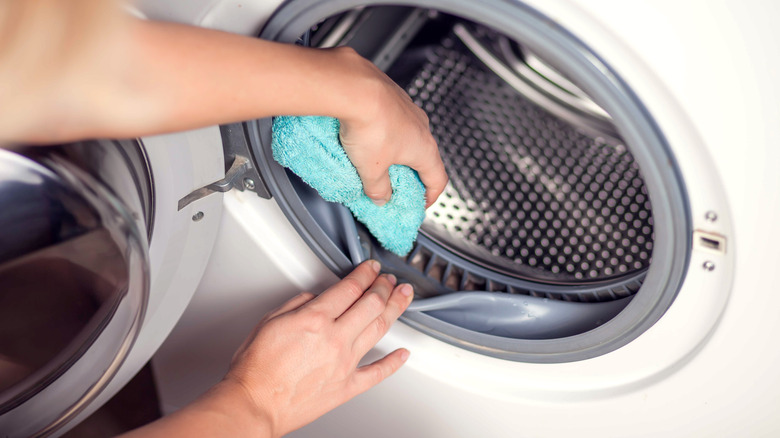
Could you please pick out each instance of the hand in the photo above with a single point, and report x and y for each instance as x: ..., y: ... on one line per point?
x: 388, y: 129
x: 301, y: 361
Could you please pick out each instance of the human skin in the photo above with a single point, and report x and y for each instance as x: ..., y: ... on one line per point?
x: 300, y: 362
x: 129, y: 78
x: 77, y: 69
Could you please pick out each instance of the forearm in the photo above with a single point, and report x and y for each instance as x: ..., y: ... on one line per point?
x: 109, y: 75
x: 176, y: 77
x: 245, y: 78
x: 222, y: 412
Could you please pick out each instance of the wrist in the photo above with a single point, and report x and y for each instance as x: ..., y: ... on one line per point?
x: 237, y: 402
x: 358, y: 87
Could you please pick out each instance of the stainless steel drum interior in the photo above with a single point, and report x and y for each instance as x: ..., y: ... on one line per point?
x: 564, y: 201
x: 530, y: 193
x: 542, y: 187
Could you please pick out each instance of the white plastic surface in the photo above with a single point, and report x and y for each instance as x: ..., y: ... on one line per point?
x: 258, y: 263
x: 707, y: 368
x: 180, y: 248
x: 236, y: 16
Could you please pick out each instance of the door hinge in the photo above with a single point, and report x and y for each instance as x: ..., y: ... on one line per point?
x: 242, y: 174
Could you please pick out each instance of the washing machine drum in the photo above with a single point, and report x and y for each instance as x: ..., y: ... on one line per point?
x: 73, y: 279
x: 564, y: 203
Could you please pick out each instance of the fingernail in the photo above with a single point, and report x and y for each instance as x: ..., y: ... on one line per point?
x: 391, y: 278
x: 406, y: 290
x: 379, y: 202
x: 375, y: 266
x: 404, y: 355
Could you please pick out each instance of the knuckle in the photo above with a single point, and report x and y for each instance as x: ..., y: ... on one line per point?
x: 423, y: 116
x: 345, y: 50
x: 352, y: 286
x: 440, y: 177
x: 306, y: 296
x: 377, y: 178
x: 434, y: 157
x: 375, y: 302
x: 271, y: 326
x: 380, y: 325
x: 377, y: 374
x: 266, y: 319
x: 315, y: 321
x: 357, y: 385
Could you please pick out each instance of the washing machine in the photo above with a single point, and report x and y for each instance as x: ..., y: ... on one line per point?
x: 97, y: 264
x: 599, y: 263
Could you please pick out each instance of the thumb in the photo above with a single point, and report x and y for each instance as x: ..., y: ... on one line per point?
x: 376, y: 185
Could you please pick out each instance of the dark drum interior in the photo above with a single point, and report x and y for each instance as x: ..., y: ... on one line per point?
x: 546, y: 231
x: 541, y: 188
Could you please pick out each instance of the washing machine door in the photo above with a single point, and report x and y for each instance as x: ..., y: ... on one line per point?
x: 74, y: 282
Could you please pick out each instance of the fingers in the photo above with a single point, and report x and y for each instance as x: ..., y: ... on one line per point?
x: 431, y: 170
x: 378, y: 327
x: 376, y: 183
x: 368, y: 307
x: 426, y: 160
x: 339, y: 297
x: 370, y: 375
x: 371, y: 167
x: 435, y: 179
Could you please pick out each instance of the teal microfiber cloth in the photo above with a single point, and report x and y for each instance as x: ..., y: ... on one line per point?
x: 310, y: 147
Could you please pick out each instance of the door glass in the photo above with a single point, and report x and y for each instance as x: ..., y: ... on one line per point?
x: 69, y: 277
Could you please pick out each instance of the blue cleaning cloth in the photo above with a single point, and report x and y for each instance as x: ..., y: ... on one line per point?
x: 310, y: 147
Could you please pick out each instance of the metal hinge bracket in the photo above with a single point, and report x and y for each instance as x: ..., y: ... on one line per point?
x: 241, y: 175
